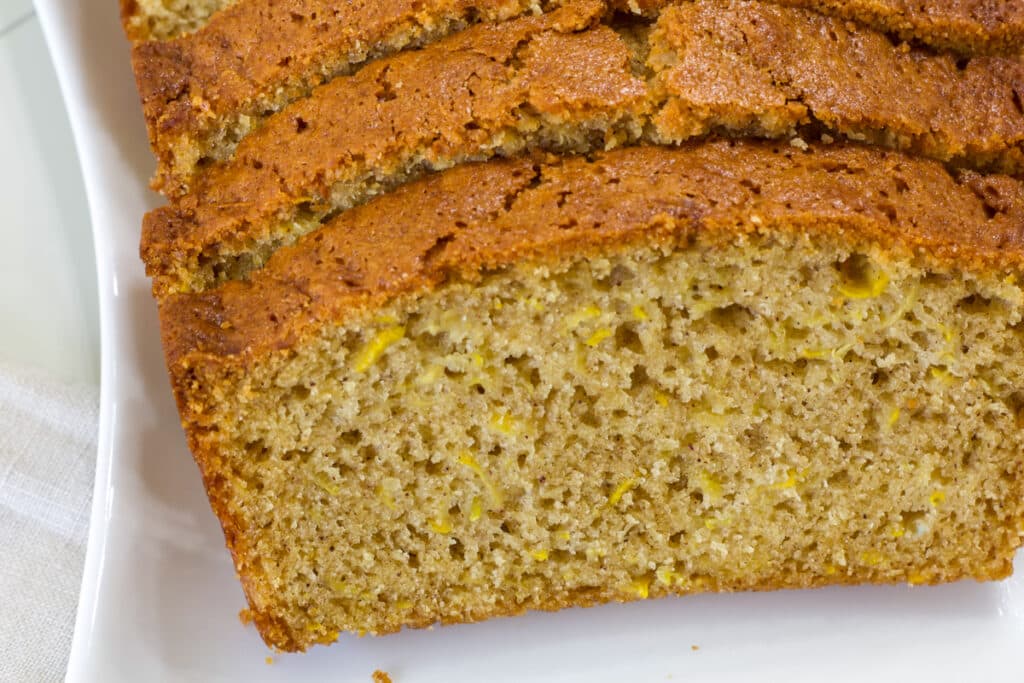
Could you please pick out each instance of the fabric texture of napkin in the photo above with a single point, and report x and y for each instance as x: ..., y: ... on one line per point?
x: 47, y: 459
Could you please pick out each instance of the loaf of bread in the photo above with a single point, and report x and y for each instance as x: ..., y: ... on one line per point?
x: 584, y: 302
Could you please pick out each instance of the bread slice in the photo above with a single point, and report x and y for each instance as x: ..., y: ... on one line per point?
x: 494, y: 90
x: 204, y: 92
x: 726, y: 366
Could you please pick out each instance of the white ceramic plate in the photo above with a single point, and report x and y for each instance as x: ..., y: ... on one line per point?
x: 159, y: 597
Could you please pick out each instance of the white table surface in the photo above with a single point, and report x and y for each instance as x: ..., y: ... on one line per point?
x: 48, y: 303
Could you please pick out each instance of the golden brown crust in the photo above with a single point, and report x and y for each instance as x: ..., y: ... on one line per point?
x: 848, y: 80
x: 452, y: 100
x: 457, y: 223
x: 251, y: 53
x: 197, y: 87
x: 485, y: 216
x: 964, y: 26
x: 436, y: 104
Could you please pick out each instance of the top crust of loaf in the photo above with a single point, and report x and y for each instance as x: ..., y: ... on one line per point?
x: 446, y: 101
x: 964, y: 26
x: 462, y: 97
x: 487, y: 216
x: 255, y: 56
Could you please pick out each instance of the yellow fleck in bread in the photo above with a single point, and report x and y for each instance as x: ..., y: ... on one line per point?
x: 541, y: 382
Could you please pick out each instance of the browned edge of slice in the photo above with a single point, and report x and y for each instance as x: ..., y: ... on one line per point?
x: 486, y: 91
x: 205, y: 91
x: 967, y: 27
x: 714, y: 66
x: 201, y: 93
x: 734, y: 64
x: 484, y: 216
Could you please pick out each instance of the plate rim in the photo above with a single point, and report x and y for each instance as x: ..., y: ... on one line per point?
x: 60, y: 47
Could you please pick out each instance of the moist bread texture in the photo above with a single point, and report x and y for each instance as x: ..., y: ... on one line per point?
x: 557, y: 83
x: 203, y: 92
x: 731, y: 365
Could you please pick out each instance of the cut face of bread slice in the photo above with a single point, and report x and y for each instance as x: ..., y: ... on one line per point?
x: 721, y: 367
x: 540, y: 82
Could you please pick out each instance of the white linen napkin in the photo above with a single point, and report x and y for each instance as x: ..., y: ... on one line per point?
x: 47, y: 461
